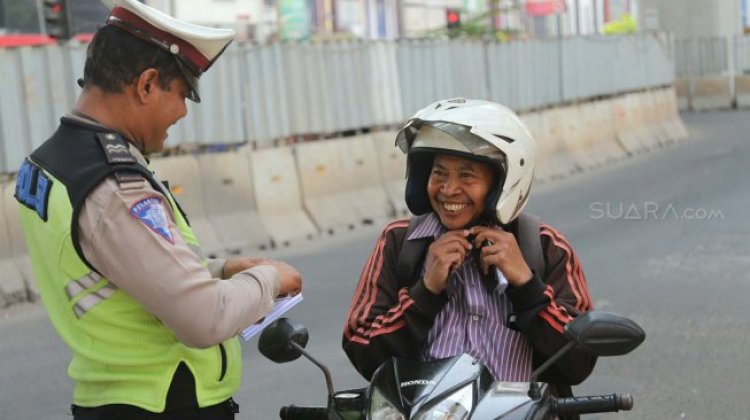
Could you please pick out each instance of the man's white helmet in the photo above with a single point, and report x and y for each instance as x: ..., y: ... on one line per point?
x: 477, y: 130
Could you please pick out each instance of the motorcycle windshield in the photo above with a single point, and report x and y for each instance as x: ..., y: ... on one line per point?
x: 410, y: 385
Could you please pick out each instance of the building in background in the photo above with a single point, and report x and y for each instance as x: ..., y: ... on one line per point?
x: 693, y: 18
x: 25, y: 17
x: 87, y: 15
x: 551, y: 18
x: 268, y: 20
x: 419, y: 17
x: 19, y: 16
x: 244, y: 16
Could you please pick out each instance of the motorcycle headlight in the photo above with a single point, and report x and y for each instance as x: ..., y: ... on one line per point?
x: 456, y: 407
x: 382, y: 409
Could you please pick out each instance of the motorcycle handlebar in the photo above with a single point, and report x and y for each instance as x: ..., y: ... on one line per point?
x: 293, y: 412
x: 592, y: 404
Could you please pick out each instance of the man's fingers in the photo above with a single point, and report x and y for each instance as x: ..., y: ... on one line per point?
x: 455, y: 236
x: 453, y: 242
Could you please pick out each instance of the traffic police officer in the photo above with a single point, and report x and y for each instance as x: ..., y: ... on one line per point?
x: 150, y: 321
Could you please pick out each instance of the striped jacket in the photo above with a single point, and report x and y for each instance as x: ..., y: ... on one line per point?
x: 392, y: 316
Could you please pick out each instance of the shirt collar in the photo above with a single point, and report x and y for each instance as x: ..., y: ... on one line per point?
x: 429, y: 227
x: 85, y: 119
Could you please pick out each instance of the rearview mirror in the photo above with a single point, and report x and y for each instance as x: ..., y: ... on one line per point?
x: 275, y: 341
x: 605, y: 334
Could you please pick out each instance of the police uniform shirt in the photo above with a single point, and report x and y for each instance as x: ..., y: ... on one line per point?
x: 165, y: 276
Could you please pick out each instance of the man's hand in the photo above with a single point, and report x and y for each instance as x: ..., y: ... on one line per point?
x: 235, y: 265
x: 291, y: 280
x: 443, y: 256
x: 503, y: 253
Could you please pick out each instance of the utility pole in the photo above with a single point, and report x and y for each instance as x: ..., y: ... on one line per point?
x: 596, y: 16
x: 40, y: 16
x: 493, y: 15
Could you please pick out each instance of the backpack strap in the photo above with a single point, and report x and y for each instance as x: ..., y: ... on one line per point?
x: 530, y: 242
x: 412, y: 253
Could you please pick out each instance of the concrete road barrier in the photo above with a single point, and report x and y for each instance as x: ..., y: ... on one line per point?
x: 638, y: 105
x: 535, y: 124
x: 360, y: 165
x: 742, y: 91
x: 579, y: 136
x: 183, y: 175
x: 655, y: 133
x: 711, y: 92
x: 627, y: 125
x: 278, y: 196
x: 682, y: 94
x: 599, y: 124
x: 667, y: 99
x: 553, y: 157
x: 392, y: 170
x: 230, y: 201
x: 661, y: 117
x: 12, y: 285
x: 324, y: 186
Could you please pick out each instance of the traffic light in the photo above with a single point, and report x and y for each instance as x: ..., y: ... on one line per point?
x: 452, y: 19
x: 57, y: 18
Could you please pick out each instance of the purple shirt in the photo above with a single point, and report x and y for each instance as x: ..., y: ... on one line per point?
x: 473, y: 321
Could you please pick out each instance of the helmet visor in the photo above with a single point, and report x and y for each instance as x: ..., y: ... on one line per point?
x: 453, y: 138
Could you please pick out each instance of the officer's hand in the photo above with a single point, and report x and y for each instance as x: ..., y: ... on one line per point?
x: 236, y: 265
x: 291, y: 279
x: 443, y: 256
x: 503, y: 252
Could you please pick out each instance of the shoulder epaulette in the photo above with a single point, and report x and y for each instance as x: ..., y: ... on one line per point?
x: 115, y: 148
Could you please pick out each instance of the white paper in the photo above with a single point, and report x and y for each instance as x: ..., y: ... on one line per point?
x: 501, y: 280
x: 280, y: 306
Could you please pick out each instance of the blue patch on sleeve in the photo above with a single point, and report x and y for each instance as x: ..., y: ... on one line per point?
x: 33, y: 188
x: 150, y: 211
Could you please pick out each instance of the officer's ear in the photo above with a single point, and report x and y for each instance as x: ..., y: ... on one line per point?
x: 146, y: 85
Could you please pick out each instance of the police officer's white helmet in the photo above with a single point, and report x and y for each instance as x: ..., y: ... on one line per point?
x: 477, y: 130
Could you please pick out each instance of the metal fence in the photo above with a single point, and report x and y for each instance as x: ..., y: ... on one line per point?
x: 270, y: 92
x: 712, y: 56
x: 696, y: 57
x: 712, y: 72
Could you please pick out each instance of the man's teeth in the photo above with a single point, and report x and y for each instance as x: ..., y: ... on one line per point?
x: 454, y: 207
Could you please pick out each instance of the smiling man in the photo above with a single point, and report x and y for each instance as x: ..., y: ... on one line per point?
x: 152, y: 323
x: 470, y: 273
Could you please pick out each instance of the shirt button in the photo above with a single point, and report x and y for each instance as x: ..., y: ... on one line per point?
x: 475, y: 317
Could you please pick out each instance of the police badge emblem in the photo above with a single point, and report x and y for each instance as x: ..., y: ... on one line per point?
x: 150, y: 211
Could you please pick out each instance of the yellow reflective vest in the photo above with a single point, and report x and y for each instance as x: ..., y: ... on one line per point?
x: 122, y: 354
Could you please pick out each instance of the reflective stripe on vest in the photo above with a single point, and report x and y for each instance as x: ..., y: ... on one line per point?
x: 89, y: 301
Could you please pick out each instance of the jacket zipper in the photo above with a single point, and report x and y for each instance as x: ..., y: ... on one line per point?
x: 223, y: 361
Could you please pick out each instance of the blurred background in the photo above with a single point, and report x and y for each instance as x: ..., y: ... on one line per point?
x: 264, y: 20
x: 639, y: 108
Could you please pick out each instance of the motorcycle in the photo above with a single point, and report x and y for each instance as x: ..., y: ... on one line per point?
x: 459, y: 387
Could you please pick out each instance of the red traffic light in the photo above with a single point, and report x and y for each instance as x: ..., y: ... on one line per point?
x: 57, y: 18
x: 452, y: 18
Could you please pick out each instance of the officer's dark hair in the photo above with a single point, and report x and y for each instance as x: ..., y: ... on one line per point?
x: 115, y: 59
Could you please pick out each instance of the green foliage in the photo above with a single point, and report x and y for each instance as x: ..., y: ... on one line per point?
x: 625, y: 25
x: 480, y: 25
